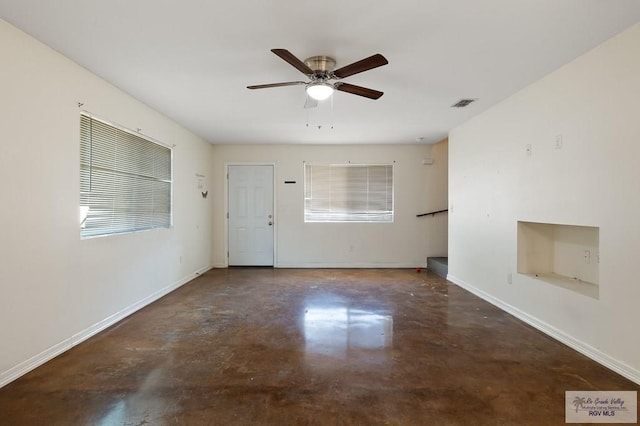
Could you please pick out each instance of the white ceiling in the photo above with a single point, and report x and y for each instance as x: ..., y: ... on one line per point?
x: 192, y: 59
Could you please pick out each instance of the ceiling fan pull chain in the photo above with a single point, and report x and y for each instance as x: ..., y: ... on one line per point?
x: 332, y: 113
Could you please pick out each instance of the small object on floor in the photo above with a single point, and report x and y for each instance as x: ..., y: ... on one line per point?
x: 418, y: 270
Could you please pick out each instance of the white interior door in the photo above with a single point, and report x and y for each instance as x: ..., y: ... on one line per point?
x: 250, y: 215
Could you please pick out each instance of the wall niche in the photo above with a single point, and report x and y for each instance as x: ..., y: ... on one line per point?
x: 567, y: 256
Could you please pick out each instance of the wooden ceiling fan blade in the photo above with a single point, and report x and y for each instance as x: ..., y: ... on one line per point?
x: 365, y: 64
x: 266, y: 86
x: 358, y: 90
x: 293, y: 61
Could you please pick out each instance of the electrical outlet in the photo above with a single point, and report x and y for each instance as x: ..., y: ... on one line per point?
x: 559, y: 142
x: 587, y: 256
x: 529, y: 150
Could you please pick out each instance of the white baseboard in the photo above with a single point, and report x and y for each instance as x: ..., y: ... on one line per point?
x: 585, y: 349
x: 355, y: 265
x: 336, y: 265
x: 24, y: 367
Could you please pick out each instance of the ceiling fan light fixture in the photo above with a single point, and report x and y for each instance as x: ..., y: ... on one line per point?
x: 319, y: 91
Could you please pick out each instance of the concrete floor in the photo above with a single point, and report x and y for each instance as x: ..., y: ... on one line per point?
x: 258, y: 346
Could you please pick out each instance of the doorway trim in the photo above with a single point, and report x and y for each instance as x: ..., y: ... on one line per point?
x: 226, y: 207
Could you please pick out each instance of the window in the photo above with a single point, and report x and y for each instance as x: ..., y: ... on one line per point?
x: 348, y: 193
x: 125, y: 180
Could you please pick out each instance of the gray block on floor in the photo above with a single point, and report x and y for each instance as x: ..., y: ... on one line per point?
x: 438, y: 265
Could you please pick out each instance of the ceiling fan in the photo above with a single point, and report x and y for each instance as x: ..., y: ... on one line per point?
x: 322, y: 77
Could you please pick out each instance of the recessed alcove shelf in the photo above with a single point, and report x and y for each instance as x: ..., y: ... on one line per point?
x: 567, y: 256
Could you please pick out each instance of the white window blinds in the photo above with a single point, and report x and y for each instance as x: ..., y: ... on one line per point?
x: 125, y: 180
x: 348, y: 193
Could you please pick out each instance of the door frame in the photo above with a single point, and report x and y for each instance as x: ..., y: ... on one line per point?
x: 226, y: 207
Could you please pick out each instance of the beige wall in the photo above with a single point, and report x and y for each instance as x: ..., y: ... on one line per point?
x: 55, y: 289
x: 405, y: 243
x: 591, y: 180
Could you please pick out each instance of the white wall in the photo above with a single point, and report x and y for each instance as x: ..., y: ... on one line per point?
x: 405, y: 243
x: 54, y: 288
x: 591, y: 181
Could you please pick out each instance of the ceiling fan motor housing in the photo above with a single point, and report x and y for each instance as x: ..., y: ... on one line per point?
x: 321, y: 65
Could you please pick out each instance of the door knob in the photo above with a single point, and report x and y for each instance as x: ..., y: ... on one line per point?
x: 270, y: 223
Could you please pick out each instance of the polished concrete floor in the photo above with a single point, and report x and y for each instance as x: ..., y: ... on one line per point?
x: 310, y: 347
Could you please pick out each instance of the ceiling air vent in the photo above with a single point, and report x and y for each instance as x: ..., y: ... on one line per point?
x: 462, y: 103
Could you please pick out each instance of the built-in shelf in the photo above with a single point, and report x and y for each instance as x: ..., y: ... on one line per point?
x: 567, y: 256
